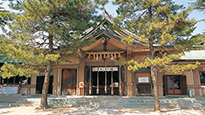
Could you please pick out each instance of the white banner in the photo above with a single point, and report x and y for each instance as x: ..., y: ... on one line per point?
x: 103, y: 69
x: 9, y: 90
x: 143, y: 79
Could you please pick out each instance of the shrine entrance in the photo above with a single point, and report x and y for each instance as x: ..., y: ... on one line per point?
x: 105, y: 81
x: 102, y: 75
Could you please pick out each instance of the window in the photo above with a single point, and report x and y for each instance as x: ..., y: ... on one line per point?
x: 202, y: 77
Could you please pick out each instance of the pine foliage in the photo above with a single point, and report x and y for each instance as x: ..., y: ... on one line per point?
x: 163, y: 27
x: 41, y: 32
x: 27, y: 47
x: 161, y: 23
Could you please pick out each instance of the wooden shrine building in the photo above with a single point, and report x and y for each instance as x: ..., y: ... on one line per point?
x: 97, y: 73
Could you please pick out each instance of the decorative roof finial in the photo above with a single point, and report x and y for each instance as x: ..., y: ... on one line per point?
x: 107, y: 16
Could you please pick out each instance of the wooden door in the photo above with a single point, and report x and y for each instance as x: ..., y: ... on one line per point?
x: 69, y: 81
x: 183, y: 85
x: 175, y: 85
x: 143, y: 83
x: 144, y: 88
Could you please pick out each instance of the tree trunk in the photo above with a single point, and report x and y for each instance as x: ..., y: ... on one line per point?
x: 154, y: 81
x: 156, y: 98
x: 44, y: 103
x: 152, y: 51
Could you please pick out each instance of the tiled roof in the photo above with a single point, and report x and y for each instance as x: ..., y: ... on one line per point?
x: 194, y: 55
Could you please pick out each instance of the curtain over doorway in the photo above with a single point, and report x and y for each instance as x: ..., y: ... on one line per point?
x: 115, y: 77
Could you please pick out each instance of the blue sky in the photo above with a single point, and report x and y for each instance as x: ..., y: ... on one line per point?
x: 193, y: 15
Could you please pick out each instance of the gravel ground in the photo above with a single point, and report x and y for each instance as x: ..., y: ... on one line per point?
x: 60, y: 110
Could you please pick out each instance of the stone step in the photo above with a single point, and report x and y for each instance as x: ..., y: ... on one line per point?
x: 20, y: 104
x: 4, y: 105
x: 23, y: 101
x: 106, y: 101
x: 82, y: 102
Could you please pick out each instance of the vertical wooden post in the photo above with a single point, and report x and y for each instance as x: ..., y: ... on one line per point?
x: 119, y: 80
x: 59, y: 90
x: 112, y: 80
x: 90, y: 78
x: 55, y: 81
x: 129, y: 83
x: 196, y: 81
x: 105, y: 76
x: 77, y: 83
x: 81, y: 79
x: 98, y: 81
x: 33, y: 84
x: 125, y: 75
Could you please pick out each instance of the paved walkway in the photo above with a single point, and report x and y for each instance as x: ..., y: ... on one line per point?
x: 112, y: 105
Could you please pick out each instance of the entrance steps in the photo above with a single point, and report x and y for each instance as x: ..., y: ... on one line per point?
x: 128, y: 102
x: 7, y: 99
x: 102, y: 101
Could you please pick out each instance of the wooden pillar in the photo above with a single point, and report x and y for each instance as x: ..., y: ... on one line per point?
x: 81, y: 76
x: 160, y: 83
x: 98, y: 80
x: 133, y: 84
x: 129, y: 75
x: 119, y: 80
x: 105, y: 76
x: 55, y: 81
x: 112, y: 81
x: 33, y: 84
x: 77, y: 82
x: 125, y: 75
x: 90, y: 86
x: 196, y: 81
x: 129, y: 83
x: 59, y: 78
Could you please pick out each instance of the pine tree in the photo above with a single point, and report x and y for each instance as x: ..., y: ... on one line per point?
x: 5, y: 16
x: 164, y: 28
x: 39, y: 27
x: 200, y: 6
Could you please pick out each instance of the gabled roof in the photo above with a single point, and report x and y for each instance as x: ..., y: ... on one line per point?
x: 103, y: 26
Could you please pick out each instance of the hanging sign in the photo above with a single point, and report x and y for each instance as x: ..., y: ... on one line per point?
x: 103, y: 69
x: 143, y: 79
